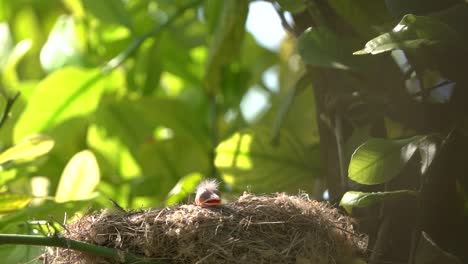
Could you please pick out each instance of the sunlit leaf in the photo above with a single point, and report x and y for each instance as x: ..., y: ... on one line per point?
x: 185, y: 186
x: 62, y: 46
x: 28, y: 149
x: 10, y: 202
x: 353, y: 199
x: 64, y: 94
x: 249, y: 158
x: 428, y: 252
x: 6, y: 44
x: 379, y: 160
x: 79, y: 178
x: 412, y: 32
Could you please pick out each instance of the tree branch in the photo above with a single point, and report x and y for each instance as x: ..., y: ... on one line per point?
x: 56, y: 241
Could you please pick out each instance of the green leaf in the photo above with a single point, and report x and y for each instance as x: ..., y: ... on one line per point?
x: 62, y: 46
x: 109, y: 11
x: 286, y: 105
x: 129, y: 119
x: 224, y: 47
x: 353, y: 199
x: 320, y: 47
x: 379, y: 160
x: 248, y: 158
x: 185, y: 186
x: 79, y: 178
x: 293, y: 6
x: 64, y: 94
x: 28, y: 149
x: 159, y: 148
x: 387, y: 42
x: 411, y: 33
x: 10, y: 202
x: 428, y: 252
x: 361, y: 14
x: 10, y: 75
x: 300, y: 119
x: 113, y: 155
x: 20, y: 253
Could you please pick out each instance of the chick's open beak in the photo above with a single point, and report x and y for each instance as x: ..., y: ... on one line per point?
x: 208, y: 198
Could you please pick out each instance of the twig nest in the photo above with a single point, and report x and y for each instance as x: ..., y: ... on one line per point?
x: 253, y: 229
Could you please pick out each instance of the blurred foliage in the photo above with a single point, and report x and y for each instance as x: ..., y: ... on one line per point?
x: 134, y: 101
x: 137, y: 101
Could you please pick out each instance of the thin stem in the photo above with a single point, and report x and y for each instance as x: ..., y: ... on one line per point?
x: 9, y: 104
x: 339, y: 148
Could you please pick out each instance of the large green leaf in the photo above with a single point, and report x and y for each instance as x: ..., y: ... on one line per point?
x: 64, y: 94
x: 379, y: 160
x: 135, y: 120
x: 249, y: 158
x: 10, y: 202
x: 159, y: 140
x: 21, y: 254
x: 226, y: 41
x: 293, y: 6
x: 353, y: 199
x: 320, y: 47
x: 298, y: 119
x: 113, y: 155
x: 28, y: 149
x: 109, y: 11
x: 361, y: 14
x: 79, y: 178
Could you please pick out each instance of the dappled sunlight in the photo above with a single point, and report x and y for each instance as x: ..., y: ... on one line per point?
x: 234, y: 153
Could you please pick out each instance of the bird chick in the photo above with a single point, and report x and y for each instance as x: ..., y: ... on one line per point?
x: 208, y: 194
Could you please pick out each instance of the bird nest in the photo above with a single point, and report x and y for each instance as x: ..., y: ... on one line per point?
x: 253, y: 229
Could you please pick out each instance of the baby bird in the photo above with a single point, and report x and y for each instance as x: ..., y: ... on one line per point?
x: 208, y: 194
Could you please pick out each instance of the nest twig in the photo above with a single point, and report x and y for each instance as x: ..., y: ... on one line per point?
x: 253, y: 229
